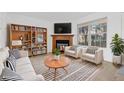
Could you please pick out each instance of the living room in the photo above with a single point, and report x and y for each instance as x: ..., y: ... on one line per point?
x: 61, y: 46
x: 111, y: 23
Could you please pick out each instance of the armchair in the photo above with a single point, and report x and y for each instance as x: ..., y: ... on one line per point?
x: 96, y: 57
x: 75, y: 52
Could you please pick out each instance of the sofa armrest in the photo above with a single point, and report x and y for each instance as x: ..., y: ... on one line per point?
x: 23, y: 53
x: 39, y: 78
x: 83, y: 51
x: 78, y: 51
x: 99, y: 56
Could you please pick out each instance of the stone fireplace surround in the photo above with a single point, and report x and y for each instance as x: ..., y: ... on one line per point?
x: 61, y: 37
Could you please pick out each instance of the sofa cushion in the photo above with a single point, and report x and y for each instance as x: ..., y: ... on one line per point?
x: 8, y: 75
x: 25, y: 69
x: 28, y: 76
x: 22, y: 61
x: 89, y: 56
x: 91, y: 50
x: 15, y: 53
x: 32, y: 77
x: 4, y: 54
x: 11, y: 63
x: 72, y: 48
x: 71, y: 51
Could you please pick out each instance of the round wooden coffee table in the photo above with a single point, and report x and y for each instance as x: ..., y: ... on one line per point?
x: 50, y: 62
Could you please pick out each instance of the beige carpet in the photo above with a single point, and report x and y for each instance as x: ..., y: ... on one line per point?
x: 78, y: 70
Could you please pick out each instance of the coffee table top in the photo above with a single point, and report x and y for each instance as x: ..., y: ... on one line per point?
x: 52, y: 63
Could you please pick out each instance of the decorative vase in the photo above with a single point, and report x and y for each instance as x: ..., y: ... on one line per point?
x: 116, y: 59
x: 56, y: 57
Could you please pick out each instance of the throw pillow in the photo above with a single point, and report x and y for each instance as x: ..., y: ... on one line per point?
x: 74, y: 47
x: 91, y: 50
x: 8, y: 75
x: 15, y: 53
x: 11, y: 63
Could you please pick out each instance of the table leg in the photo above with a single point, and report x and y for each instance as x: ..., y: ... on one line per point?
x: 49, y: 68
x: 65, y: 70
x: 55, y: 74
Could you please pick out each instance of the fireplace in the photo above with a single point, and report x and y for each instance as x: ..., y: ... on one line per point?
x: 60, y: 44
x: 61, y: 40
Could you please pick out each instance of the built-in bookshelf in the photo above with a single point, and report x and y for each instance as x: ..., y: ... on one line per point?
x: 39, y: 39
x: 30, y: 38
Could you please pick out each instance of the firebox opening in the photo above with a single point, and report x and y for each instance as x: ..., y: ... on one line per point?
x: 60, y: 44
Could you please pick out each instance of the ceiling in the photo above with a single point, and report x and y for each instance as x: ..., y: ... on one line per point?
x: 54, y: 16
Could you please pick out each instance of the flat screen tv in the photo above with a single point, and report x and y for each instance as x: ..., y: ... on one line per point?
x: 62, y: 28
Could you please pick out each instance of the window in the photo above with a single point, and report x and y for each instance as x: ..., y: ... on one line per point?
x: 83, y: 35
x: 93, y: 33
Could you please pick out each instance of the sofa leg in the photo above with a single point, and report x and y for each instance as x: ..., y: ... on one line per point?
x: 98, y: 64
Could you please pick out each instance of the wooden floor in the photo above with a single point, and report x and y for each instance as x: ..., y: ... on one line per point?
x: 108, y: 73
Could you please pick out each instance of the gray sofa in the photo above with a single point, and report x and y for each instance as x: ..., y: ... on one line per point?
x: 23, y: 65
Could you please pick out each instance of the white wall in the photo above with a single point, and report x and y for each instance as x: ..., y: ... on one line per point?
x: 113, y: 26
x: 3, y: 31
x: 122, y: 34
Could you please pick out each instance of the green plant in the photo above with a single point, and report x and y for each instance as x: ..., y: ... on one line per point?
x: 57, y: 51
x: 117, y: 45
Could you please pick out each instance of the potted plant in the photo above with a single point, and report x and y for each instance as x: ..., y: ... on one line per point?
x: 117, y: 46
x: 57, y: 53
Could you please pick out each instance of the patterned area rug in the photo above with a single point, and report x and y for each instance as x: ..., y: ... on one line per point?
x: 78, y: 70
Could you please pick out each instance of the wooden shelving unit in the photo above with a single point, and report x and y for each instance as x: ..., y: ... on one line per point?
x: 39, y: 39
x: 30, y: 38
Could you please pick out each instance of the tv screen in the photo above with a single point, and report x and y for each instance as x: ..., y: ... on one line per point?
x: 62, y: 28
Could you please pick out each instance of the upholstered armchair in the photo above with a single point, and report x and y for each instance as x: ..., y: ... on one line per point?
x: 73, y: 51
x: 92, y: 54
